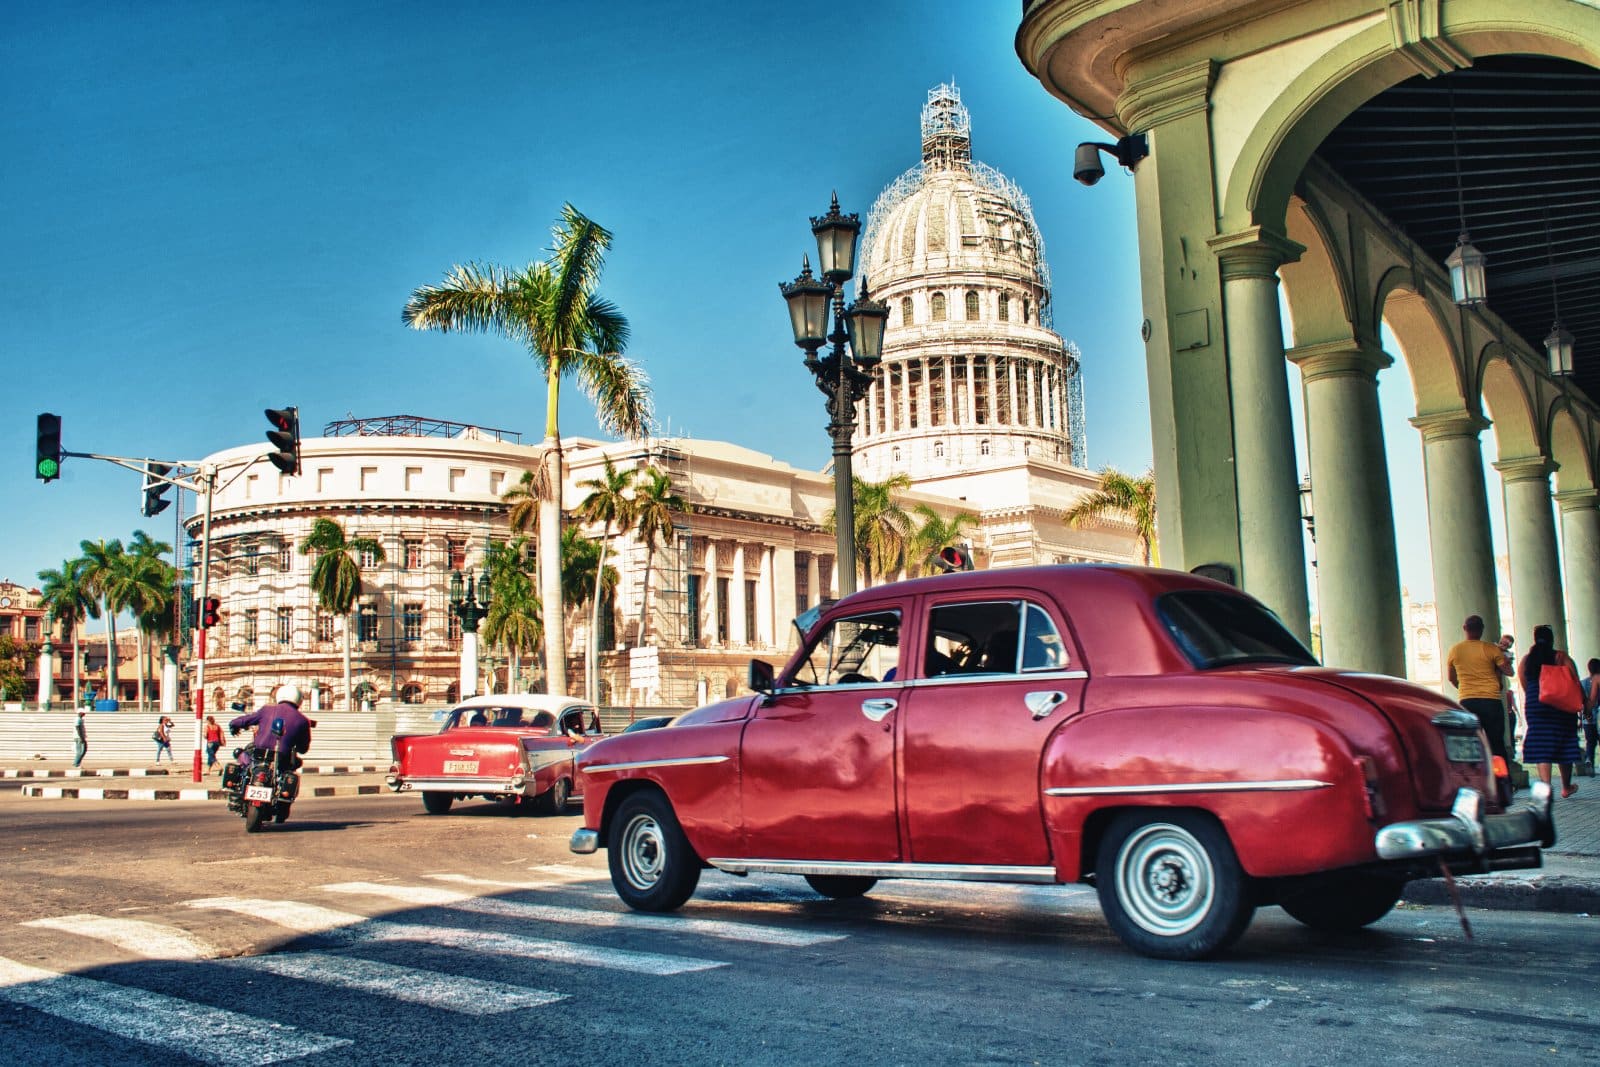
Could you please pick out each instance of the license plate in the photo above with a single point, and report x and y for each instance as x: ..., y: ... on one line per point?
x: 461, y: 766
x: 1460, y: 749
x: 263, y: 793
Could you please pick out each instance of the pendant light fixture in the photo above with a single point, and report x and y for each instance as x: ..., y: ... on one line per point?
x: 1467, y: 281
x: 1558, y: 346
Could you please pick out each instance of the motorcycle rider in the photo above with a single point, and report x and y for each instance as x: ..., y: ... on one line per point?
x: 296, y: 735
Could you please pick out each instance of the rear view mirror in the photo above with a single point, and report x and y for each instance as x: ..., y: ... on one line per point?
x: 761, y: 677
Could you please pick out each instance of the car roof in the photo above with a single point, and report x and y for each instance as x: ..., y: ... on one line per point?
x: 531, y: 701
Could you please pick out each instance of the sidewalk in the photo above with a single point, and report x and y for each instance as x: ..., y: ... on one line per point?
x: 173, y: 781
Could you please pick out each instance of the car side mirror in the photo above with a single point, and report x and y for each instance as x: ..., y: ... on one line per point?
x: 761, y: 676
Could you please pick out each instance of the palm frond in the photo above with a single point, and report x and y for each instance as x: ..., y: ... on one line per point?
x: 620, y: 390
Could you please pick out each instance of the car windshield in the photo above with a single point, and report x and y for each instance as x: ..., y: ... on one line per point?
x: 1218, y: 629
x: 499, y: 717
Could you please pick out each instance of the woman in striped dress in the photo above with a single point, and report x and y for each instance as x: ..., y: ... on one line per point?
x: 1552, y: 734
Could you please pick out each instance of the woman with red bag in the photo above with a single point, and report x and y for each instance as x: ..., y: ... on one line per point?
x: 1552, y: 731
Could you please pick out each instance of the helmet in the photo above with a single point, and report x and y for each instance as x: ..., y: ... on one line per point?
x: 289, y: 694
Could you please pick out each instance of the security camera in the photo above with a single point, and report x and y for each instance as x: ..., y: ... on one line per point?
x: 1086, y: 165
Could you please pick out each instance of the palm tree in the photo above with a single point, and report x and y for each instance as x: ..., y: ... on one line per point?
x: 934, y: 534
x: 882, y: 526
x: 580, y: 562
x: 525, y: 498
x: 654, y: 504
x: 66, y: 595
x: 1128, y: 497
x: 336, y: 578
x: 554, y: 310
x: 142, y: 583
x: 609, y: 501
x: 102, y: 561
x: 513, y: 621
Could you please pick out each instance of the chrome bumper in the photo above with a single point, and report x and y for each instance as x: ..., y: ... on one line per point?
x: 471, y: 786
x: 1494, y: 842
x: 585, y: 841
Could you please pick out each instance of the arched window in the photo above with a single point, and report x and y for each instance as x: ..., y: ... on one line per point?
x: 896, y: 453
x: 983, y: 448
x: 1026, y: 310
x: 411, y: 693
x: 1005, y: 307
x: 938, y: 450
x: 938, y: 307
x: 452, y: 693
x: 905, y: 311
x: 972, y: 305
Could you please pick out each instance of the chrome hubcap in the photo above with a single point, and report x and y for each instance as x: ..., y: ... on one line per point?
x: 643, y: 852
x: 1165, y: 880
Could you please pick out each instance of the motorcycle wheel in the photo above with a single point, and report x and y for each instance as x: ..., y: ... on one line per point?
x: 280, y: 813
x: 253, y: 814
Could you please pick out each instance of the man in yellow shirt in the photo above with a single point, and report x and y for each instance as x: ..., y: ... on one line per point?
x: 1475, y: 669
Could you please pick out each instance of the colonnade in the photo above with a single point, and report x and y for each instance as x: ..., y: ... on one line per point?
x: 965, y: 391
x: 750, y: 591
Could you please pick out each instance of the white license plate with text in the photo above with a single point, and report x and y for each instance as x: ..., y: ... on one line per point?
x: 461, y: 766
x: 1462, y: 749
x: 263, y: 793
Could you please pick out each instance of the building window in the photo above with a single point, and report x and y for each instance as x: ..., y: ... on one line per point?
x: 1005, y: 307
x: 457, y: 551
x: 802, y: 585
x: 411, y: 621
x: 324, y: 626
x: 452, y: 628
x: 368, y: 557
x: 693, y: 631
x: 411, y: 693
x: 250, y: 623
x: 983, y: 448
x: 252, y: 559
x: 724, y: 590
x: 972, y: 305
x: 895, y: 453
x: 938, y: 450
x: 413, y: 553
x: 286, y: 558
x: 1027, y: 310
x: 938, y: 307
x: 750, y: 634
x: 367, y: 623
x: 30, y: 629
x: 285, y: 625
x: 905, y: 311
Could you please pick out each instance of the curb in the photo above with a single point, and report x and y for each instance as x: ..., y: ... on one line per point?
x: 144, y: 772
x: 1550, y: 892
x: 59, y: 792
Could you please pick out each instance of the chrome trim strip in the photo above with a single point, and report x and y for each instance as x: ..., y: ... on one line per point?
x: 956, y: 872
x: 1454, y: 718
x: 683, y: 761
x: 990, y: 679
x: 456, y: 785
x: 1280, y: 785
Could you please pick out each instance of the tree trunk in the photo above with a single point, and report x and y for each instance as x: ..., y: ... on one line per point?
x: 111, y: 650
x: 644, y: 594
x: 555, y: 627
x: 139, y: 631
x: 591, y: 647
x: 77, y: 683
x: 349, y: 696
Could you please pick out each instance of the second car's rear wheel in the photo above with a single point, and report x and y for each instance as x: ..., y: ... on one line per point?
x: 1343, y: 902
x: 841, y: 886
x: 555, y: 800
x: 653, y: 867
x: 1171, y: 886
x: 436, y: 803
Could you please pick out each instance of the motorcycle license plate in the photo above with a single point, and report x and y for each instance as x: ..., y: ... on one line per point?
x: 1462, y: 749
x: 461, y: 766
x: 262, y: 793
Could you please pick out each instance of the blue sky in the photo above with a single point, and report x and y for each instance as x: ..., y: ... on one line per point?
x: 217, y: 208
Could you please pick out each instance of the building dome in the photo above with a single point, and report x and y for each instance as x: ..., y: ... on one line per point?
x: 972, y: 370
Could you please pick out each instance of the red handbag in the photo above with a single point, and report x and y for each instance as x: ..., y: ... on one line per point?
x: 1558, y: 688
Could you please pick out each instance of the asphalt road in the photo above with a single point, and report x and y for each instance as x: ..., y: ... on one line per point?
x: 476, y: 938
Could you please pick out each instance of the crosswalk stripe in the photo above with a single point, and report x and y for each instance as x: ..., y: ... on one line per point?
x: 307, y: 918
x: 428, y: 896
x: 198, y: 1031
x: 150, y: 940
x: 470, y: 996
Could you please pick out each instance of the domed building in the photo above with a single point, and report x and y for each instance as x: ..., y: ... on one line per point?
x: 973, y: 376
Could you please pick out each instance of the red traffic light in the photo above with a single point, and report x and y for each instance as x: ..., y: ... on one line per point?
x: 955, y: 558
x: 210, y: 612
x: 284, y: 438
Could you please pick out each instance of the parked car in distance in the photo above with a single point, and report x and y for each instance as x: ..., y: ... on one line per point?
x: 1154, y: 733
x: 650, y: 722
x: 512, y: 747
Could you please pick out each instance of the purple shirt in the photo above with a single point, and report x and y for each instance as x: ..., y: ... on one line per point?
x: 296, y: 728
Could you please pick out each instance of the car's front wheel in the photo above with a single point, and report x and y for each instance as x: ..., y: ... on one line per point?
x: 1343, y: 902
x: 1171, y: 886
x: 841, y: 886
x: 436, y: 803
x: 653, y: 866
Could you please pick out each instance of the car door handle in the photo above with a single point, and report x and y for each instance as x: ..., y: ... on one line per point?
x: 1043, y: 703
x: 877, y: 710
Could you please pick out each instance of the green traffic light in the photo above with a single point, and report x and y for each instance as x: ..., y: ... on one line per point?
x: 49, y: 468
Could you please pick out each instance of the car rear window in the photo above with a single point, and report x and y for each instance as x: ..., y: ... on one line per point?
x: 1218, y: 629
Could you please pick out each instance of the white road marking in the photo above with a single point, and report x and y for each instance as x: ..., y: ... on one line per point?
x: 212, y: 1035
x: 429, y: 896
x: 470, y: 996
x: 151, y: 940
x: 308, y: 918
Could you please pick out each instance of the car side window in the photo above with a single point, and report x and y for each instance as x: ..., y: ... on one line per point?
x: 855, y: 650
x: 991, y: 637
x: 1042, y: 647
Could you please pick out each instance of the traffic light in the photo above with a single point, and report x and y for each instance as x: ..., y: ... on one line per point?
x: 285, y: 439
x: 155, y: 488
x: 955, y: 558
x: 210, y: 612
x: 47, y: 465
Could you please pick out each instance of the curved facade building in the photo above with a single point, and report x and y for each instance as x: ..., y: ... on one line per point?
x: 973, y: 376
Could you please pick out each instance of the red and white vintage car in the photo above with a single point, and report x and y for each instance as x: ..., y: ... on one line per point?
x: 515, y: 747
x: 1157, y: 734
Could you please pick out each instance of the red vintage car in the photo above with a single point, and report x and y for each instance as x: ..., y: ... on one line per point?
x: 1159, y: 735
x: 516, y: 747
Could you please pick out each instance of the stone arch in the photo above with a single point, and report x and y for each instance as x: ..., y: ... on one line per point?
x: 1570, y: 448
x: 1263, y: 173
x: 1439, y: 376
x: 412, y: 692
x: 1517, y: 427
x: 1316, y: 286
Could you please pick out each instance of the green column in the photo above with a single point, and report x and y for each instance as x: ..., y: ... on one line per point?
x: 1531, y: 533
x: 1358, y: 572
x: 1458, y: 522
x: 1580, y: 550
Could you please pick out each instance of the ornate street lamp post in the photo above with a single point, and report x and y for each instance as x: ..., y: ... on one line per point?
x: 843, y: 374
x: 469, y: 602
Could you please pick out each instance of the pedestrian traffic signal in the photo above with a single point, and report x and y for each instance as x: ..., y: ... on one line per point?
x: 285, y: 439
x: 155, y: 488
x: 955, y: 558
x: 210, y: 612
x: 47, y: 464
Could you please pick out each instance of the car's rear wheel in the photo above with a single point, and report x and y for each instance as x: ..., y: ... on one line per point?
x: 555, y: 801
x: 1171, y: 886
x: 435, y: 803
x: 1343, y: 902
x: 653, y: 866
x: 841, y: 886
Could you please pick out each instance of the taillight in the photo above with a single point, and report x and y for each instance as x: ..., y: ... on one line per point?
x: 1374, y: 796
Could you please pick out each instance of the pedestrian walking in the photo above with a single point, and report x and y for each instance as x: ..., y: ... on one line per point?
x: 1591, y: 697
x: 213, y: 741
x: 80, y: 741
x: 1552, y: 734
x: 1477, y: 668
x: 163, y: 739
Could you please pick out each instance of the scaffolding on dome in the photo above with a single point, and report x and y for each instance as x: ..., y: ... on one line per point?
x: 1077, y: 432
x: 417, y: 426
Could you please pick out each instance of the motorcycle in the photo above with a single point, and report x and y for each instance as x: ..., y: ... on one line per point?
x: 258, y: 788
